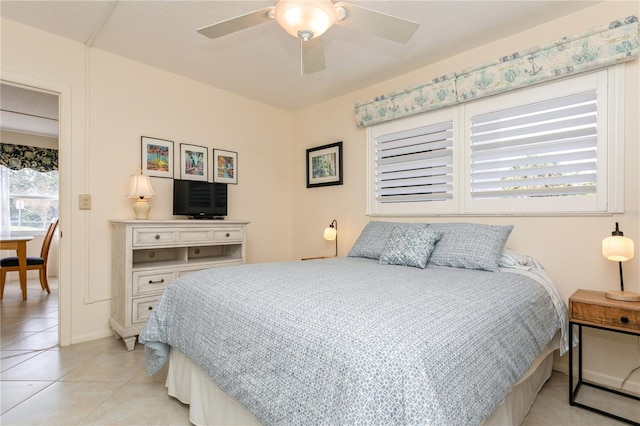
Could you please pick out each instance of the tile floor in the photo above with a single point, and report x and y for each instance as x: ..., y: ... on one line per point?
x: 100, y: 383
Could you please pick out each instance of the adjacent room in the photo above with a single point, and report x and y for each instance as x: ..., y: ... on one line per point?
x: 414, y: 212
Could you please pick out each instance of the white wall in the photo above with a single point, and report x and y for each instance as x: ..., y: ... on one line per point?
x: 109, y: 102
x: 569, y: 247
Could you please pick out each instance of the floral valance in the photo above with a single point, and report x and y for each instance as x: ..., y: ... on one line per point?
x: 18, y: 157
x: 597, y: 48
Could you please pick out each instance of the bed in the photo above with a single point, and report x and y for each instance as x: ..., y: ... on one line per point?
x: 420, y: 324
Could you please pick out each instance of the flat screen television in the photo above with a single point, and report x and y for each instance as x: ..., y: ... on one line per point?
x: 199, y: 200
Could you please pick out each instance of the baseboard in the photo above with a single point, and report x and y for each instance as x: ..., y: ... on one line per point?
x: 632, y: 385
x: 92, y: 336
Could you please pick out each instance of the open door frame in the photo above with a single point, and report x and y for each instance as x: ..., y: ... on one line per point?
x: 65, y: 198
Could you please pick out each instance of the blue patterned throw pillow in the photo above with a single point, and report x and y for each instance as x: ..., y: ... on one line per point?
x: 470, y: 245
x: 409, y: 247
x: 374, y: 236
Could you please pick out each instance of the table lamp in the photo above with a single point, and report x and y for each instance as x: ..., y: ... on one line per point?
x: 331, y: 233
x: 619, y: 248
x: 140, y: 189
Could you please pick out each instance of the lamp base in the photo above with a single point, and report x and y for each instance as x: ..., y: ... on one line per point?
x: 141, y: 207
x: 627, y: 296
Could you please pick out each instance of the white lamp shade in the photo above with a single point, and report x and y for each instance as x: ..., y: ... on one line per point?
x: 140, y: 187
x: 314, y: 16
x: 617, y: 248
x: 330, y: 233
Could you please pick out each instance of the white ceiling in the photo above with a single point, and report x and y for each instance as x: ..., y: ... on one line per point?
x: 263, y: 63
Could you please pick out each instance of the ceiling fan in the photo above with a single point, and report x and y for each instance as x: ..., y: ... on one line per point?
x: 309, y: 19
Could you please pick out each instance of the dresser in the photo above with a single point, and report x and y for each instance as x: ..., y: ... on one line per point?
x: 148, y: 255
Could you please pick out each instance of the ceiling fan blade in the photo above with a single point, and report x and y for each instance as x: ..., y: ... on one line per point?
x: 377, y: 23
x: 313, y: 55
x: 238, y: 23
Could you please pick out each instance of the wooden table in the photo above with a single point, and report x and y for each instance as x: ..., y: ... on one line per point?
x: 18, y: 244
x: 588, y: 308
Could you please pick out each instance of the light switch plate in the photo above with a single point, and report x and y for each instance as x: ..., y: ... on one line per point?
x: 84, y: 201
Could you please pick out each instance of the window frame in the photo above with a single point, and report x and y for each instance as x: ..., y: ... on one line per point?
x: 375, y: 208
x: 609, y: 197
x: 33, y: 196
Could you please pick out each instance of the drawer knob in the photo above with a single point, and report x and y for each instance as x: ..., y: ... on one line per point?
x: 151, y: 308
x: 156, y: 281
x: 227, y: 235
x: 624, y: 320
x: 157, y: 237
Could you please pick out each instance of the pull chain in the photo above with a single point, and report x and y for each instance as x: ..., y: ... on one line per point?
x: 301, y: 58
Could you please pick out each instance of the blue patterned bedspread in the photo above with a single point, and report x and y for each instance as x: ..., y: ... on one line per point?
x: 348, y: 341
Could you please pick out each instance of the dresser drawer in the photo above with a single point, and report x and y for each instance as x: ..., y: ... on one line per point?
x: 151, y: 282
x: 145, y: 237
x: 230, y: 234
x: 150, y: 237
x: 605, y: 315
x: 142, y: 308
x: 195, y: 235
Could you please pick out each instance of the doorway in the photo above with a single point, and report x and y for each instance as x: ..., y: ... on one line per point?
x: 31, y: 118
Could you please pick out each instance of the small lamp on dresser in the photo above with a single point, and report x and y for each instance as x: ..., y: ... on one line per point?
x: 140, y: 189
x: 331, y: 233
x: 619, y: 248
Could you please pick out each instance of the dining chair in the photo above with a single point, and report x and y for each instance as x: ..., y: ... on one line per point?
x: 33, y: 263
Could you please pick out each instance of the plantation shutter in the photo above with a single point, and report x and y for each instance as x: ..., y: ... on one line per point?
x: 415, y: 165
x: 544, y: 149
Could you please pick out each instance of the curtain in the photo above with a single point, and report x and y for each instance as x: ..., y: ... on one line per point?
x: 16, y: 157
x: 5, y: 222
x: 600, y: 47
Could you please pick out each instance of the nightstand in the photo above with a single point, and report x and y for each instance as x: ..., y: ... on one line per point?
x: 592, y: 309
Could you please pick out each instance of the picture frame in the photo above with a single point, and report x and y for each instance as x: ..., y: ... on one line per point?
x: 225, y: 166
x: 193, y: 162
x: 157, y: 157
x: 324, y: 165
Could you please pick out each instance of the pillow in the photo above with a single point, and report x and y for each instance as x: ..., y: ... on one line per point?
x: 374, y: 236
x: 513, y: 259
x: 469, y: 245
x: 409, y: 246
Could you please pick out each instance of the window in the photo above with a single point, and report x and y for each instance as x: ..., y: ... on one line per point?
x: 32, y: 199
x: 550, y: 149
x: 414, y: 163
x: 28, y: 189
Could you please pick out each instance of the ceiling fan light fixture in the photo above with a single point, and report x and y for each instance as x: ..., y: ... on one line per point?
x: 305, y: 35
x: 305, y: 19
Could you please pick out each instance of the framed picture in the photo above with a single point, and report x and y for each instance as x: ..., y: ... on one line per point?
x: 157, y: 157
x: 225, y: 166
x: 193, y: 162
x: 324, y: 165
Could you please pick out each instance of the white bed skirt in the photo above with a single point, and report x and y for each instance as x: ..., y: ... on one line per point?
x: 209, y: 405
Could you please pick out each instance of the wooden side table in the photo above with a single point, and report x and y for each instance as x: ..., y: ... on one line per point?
x: 592, y: 309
